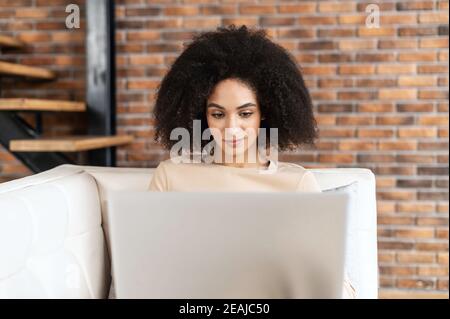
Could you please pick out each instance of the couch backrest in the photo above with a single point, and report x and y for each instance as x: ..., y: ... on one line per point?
x: 361, y: 256
x: 51, y: 240
x: 74, y: 182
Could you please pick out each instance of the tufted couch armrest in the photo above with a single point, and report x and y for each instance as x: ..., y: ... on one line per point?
x: 51, y: 241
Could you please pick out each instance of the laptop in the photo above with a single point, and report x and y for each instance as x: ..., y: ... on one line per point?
x: 221, y: 245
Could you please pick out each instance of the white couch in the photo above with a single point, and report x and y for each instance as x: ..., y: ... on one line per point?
x: 54, y: 240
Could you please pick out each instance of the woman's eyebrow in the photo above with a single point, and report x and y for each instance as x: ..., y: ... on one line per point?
x: 239, y: 107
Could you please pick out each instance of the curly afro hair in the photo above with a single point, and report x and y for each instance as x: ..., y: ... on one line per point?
x: 250, y: 57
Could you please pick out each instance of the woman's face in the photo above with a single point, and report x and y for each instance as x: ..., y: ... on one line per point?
x: 234, y: 117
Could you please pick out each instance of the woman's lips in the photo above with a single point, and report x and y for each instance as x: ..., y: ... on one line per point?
x: 234, y: 142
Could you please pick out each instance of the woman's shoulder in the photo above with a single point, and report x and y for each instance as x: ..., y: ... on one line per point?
x: 291, y: 167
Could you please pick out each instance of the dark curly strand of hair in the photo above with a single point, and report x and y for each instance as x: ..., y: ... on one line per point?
x: 248, y: 56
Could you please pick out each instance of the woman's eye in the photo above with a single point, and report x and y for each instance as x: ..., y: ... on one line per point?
x: 217, y: 115
x: 246, y: 114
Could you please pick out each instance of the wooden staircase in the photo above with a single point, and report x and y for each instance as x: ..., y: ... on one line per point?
x: 37, y: 143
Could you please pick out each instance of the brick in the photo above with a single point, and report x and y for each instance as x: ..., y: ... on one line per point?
x: 349, y: 145
x: 397, y: 145
x: 375, y: 57
x: 432, y: 69
x: 356, y: 95
x: 397, y: 120
x: 356, y: 44
x: 431, y: 145
x: 398, y: 44
x: 395, y: 220
x: 139, y: 12
x: 417, y: 31
x: 334, y: 57
x: 335, y: 83
x: 434, y: 43
x: 335, y: 108
x: 396, y: 195
x: 203, y: 23
x: 386, y: 257
x: 395, y: 170
x: 143, y: 35
x: 356, y: 69
x: 379, y: 133
x: 249, y: 21
x: 385, y: 207
x: 324, y: 33
x: 414, y: 284
x: 337, y: 7
x: 442, y: 233
x: 218, y: 9
x: 376, y: 32
x: 414, y: 183
x: 145, y: 59
x: 433, y: 120
x: 307, y: 7
x: 422, y: 5
x: 415, y: 107
x: 403, y: 18
x: 415, y: 257
x: 433, y: 17
x: 433, y: 95
x: 432, y: 195
x: 325, y: 119
x: 417, y: 57
x: 355, y: 120
x: 406, y: 80
x: 417, y: 132
x: 317, y: 45
x: 375, y: 158
x: 184, y: 10
x: 396, y: 68
x: 277, y: 21
x: 397, y: 270
x: 443, y: 258
x: 358, y: 19
x: 32, y: 13
x: 415, y: 207
x: 397, y: 245
x: 337, y: 132
x: 414, y: 233
x: 432, y: 170
x: 317, y: 20
x: 442, y: 284
x: 395, y: 94
x: 385, y: 182
x: 296, y: 33
x: 432, y: 271
x: 336, y: 158
x: 429, y: 221
x: 415, y: 158
x: 372, y: 107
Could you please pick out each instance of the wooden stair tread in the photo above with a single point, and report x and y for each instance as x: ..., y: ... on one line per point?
x: 8, y: 41
x: 68, y: 143
x: 26, y: 104
x: 26, y: 71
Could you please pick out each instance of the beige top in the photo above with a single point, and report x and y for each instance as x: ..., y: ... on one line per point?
x: 278, y: 177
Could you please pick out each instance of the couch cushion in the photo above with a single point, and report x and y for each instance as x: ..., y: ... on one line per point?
x: 51, y: 237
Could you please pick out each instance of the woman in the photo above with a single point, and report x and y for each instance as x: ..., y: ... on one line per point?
x: 236, y: 83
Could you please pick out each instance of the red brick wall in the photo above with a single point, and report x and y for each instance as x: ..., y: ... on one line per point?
x: 381, y: 97
x: 49, y: 44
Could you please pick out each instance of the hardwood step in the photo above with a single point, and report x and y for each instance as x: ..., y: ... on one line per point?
x: 68, y: 143
x: 25, y: 104
x: 8, y: 41
x: 26, y: 71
